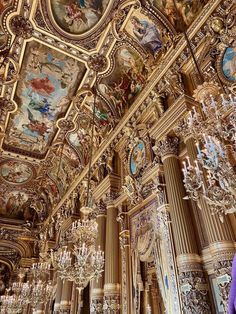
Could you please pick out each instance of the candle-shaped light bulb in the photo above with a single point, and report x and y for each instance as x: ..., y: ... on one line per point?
x: 197, y: 167
x: 188, y: 161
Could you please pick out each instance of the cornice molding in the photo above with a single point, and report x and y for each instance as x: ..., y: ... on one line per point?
x: 110, y: 183
x: 170, y: 118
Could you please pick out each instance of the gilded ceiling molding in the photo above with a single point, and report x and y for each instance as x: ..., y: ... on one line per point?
x: 142, y: 97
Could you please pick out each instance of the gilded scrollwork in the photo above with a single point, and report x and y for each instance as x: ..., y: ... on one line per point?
x: 132, y: 188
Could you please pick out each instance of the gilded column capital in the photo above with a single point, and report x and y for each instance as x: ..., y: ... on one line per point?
x: 167, y: 146
x: 101, y: 208
x: 182, y: 130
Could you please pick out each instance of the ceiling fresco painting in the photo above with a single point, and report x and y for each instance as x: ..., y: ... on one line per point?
x: 16, y: 205
x: 16, y: 172
x: 145, y: 32
x: 48, y: 81
x: 80, y: 138
x: 78, y: 16
x: 126, y: 80
x: 63, y: 172
x: 49, y: 189
x: 179, y: 12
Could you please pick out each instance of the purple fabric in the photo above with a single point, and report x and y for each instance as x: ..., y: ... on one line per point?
x: 232, y: 297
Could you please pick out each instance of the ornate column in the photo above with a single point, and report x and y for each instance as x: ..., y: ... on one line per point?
x: 97, y: 291
x: 65, y: 304
x: 74, y: 300
x: 112, y: 278
x: 220, y: 235
x: 126, y: 278
x: 58, y: 296
x: 193, y: 285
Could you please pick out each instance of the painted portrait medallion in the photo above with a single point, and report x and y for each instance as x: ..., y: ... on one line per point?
x: 145, y: 32
x: 229, y: 64
x: 78, y: 16
x: 137, y: 158
x: 15, y: 172
x: 126, y: 81
x: 17, y: 205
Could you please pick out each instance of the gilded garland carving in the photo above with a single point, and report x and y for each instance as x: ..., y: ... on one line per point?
x: 194, y: 292
x: 111, y: 304
x: 222, y: 265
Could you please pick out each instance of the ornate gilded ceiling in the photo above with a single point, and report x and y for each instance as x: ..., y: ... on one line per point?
x: 53, y: 53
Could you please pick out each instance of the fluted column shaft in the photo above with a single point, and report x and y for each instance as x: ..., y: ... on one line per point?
x: 112, y: 287
x: 73, y: 306
x: 66, y: 296
x: 188, y: 261
x: 58, y: 295
x: 97, y: 286
x: 184, y: 237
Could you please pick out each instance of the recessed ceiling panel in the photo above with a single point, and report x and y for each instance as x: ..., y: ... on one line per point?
x: 48, y: 81
x: 77, y: 17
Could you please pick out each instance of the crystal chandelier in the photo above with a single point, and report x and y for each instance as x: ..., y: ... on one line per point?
x: 34, y: 293
x: 40, y: 269
x: 214, y: 173
x: 81, y: 265
x: 41, y: 293
x: 22, y: 290
x: 11, y: 304
x: 85, y: 231
x: 80, y: 261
